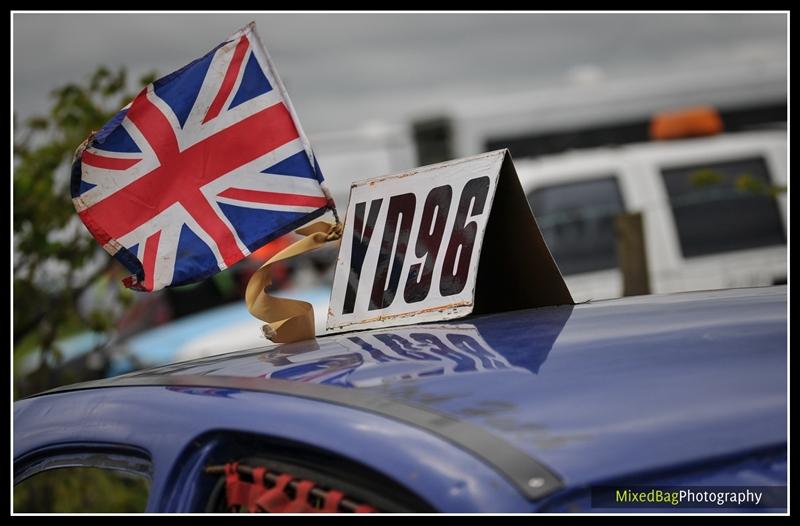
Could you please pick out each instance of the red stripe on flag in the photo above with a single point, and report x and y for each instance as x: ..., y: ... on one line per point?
x: 274, y: 198
x: 185, y: 172
x: 229, y: 80
x: 99, y: 233
x: 199, y: 208
x: 154, y: 126
x: 149, y: 260
x: 110, y: 163
x: 243, y: 142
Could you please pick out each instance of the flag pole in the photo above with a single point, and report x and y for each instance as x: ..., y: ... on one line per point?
x: 303, y: 138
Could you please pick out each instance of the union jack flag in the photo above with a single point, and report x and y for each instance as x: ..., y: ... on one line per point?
x: 204, y: 166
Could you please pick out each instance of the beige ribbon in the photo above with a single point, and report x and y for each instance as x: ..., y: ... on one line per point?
x: 288, y: 320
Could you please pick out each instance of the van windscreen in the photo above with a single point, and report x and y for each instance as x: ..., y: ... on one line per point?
x: 577, y: 221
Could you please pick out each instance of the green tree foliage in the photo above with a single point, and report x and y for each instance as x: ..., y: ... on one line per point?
x: 55, y: 258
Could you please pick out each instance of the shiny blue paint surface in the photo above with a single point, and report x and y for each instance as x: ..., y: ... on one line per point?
x: 634, y: 385
x: 595, y: 391
x: 598, y: 392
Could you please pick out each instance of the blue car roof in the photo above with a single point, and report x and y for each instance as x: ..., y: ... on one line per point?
x: 593, y: 392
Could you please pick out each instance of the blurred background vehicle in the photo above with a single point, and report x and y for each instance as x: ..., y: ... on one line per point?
x: 703, y: 157
x: 714, y: 216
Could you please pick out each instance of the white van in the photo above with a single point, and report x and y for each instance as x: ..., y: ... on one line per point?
x: 709, y: 220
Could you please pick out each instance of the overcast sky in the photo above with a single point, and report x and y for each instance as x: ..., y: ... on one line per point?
x: 342, y: 70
